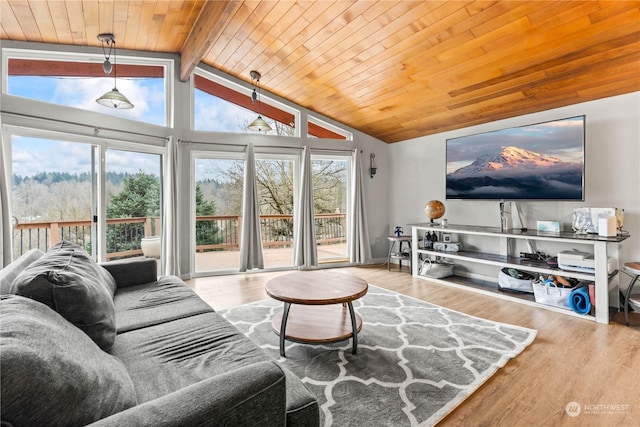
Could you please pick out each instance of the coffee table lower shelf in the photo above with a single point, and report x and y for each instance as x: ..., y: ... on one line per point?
x: 317, y: 324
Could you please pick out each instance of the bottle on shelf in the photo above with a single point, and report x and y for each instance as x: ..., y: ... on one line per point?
x: 428, y: 243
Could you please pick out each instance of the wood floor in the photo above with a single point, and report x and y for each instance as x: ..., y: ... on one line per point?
x: 571, y: 359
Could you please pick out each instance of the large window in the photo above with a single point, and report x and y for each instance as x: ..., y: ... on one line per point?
x: 72, y: 81
x: 219, y: 185
x: 223, y: 108
x: 60, y: 191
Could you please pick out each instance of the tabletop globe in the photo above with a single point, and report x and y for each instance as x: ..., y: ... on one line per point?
x: 434, y: 209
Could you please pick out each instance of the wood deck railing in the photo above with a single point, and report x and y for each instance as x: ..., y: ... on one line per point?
x: 216, y: 232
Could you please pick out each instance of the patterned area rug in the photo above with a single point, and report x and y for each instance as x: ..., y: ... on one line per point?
x: 415, y: 362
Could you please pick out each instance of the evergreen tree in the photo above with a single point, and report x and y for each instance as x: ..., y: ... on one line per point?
x: 207, y: 231
x: 140, y: 197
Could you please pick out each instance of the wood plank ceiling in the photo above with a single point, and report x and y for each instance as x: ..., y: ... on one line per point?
x: 393, y: 69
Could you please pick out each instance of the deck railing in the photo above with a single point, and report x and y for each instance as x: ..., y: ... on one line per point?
x: 215, y: 232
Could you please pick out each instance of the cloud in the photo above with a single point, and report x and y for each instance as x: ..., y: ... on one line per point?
x: 143, y: 93
x: 214, y: 114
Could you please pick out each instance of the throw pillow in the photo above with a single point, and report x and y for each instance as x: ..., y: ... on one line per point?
x: 53, y: 374
x: 69, y: 281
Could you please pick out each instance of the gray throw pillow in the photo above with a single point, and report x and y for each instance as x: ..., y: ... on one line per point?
x: 69, y: 281
x: 53, y: 374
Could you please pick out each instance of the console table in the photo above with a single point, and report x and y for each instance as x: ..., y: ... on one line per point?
x: 602, y: 248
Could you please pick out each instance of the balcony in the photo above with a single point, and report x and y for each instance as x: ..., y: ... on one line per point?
x: 217, y: 238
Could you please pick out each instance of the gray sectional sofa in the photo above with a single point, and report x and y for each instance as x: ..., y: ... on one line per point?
x: 113, y: 345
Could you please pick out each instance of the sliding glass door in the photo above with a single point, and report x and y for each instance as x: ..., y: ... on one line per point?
x: 219, y: 180
x: 330, y: 177
x: 276, y: 178
x: 53, y: 195
x: 62, y: 192
x: 133, y: 188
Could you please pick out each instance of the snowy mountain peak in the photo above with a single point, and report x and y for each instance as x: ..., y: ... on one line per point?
x: 508, y: 159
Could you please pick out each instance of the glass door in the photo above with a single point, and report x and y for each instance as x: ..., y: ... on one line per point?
x: 275, y: 178
x: 219, y: 181
x: 53, y: 195
x: 133, y: 189
x: 330, y: 177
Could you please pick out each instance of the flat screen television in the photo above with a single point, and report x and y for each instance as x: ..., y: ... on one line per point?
x: 542, y: 161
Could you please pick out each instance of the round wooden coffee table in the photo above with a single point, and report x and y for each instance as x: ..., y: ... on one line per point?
x: 320, y: 313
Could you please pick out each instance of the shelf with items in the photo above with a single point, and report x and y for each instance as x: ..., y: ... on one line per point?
x: 535, y: 266
x: 602, y: 247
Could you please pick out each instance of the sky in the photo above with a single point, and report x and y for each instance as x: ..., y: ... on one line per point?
x: 562, y: 139
x: 34, y: 155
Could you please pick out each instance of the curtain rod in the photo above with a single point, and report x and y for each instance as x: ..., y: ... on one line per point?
x: 68, y: 122
x: 226, y: 144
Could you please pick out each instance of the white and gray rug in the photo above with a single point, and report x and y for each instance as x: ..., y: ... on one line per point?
x: 415, y: 362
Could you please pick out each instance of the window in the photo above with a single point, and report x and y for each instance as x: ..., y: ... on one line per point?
x: 330, y: 177
x: 61, y: 191
x: 321, y: 129
x: 52, y: 193
x: 223, y: 107
x: 218, y: 211
x: 71, y: 80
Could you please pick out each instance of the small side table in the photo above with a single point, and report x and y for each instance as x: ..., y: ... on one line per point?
x: 398, y: 255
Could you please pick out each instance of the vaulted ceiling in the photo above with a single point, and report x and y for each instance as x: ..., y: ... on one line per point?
x: 393, y: 69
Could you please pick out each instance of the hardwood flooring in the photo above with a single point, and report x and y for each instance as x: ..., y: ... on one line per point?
x: 571, y: 360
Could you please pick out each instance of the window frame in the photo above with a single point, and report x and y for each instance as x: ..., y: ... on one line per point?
x: 347, y: 136
x: 90, y: 57
x: 243, y: 90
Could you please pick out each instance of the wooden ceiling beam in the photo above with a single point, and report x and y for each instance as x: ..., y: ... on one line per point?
x: 212, y: 20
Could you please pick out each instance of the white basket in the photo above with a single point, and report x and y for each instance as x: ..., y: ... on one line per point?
x: 511, y: 284
x: 549, y: 294
x: 435, y: 270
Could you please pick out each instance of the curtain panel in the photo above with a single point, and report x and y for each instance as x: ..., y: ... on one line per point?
x: 305, y: 253
x: 359, y: 247
x: 251, y: 255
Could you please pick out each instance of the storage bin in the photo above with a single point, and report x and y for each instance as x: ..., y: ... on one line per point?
x: 512, y: 280
x: 435, y: 270
x: 548, y: 293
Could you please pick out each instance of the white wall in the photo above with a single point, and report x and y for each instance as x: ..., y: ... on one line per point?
x: 612, y: 171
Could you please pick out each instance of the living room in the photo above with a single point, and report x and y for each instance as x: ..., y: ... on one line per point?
x: 410, y: 171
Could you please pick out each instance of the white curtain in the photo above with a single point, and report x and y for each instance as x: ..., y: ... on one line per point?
x: 359, y: 247
x: 305, y: 253
x: 251, y: 241
x: 6, y: 255
x: 170, y: 246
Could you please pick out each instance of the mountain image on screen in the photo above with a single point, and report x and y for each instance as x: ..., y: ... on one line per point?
x: 512, y: 172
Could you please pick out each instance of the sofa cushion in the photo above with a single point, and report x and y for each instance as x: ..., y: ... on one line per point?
x: 10, y: 272
x: 253, y: 395
x: 69, y: 281
x: 51, y: 373
x: 164, y: 300
x: 132, y: 271
x: 164, y: 358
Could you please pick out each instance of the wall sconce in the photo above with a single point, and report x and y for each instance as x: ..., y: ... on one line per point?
x: 372, y: 165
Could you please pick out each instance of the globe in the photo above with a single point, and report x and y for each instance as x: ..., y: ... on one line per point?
x: 434, y: 209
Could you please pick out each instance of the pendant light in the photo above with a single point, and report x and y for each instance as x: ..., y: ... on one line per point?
x: 113, y: 98
x: 258, y: 124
